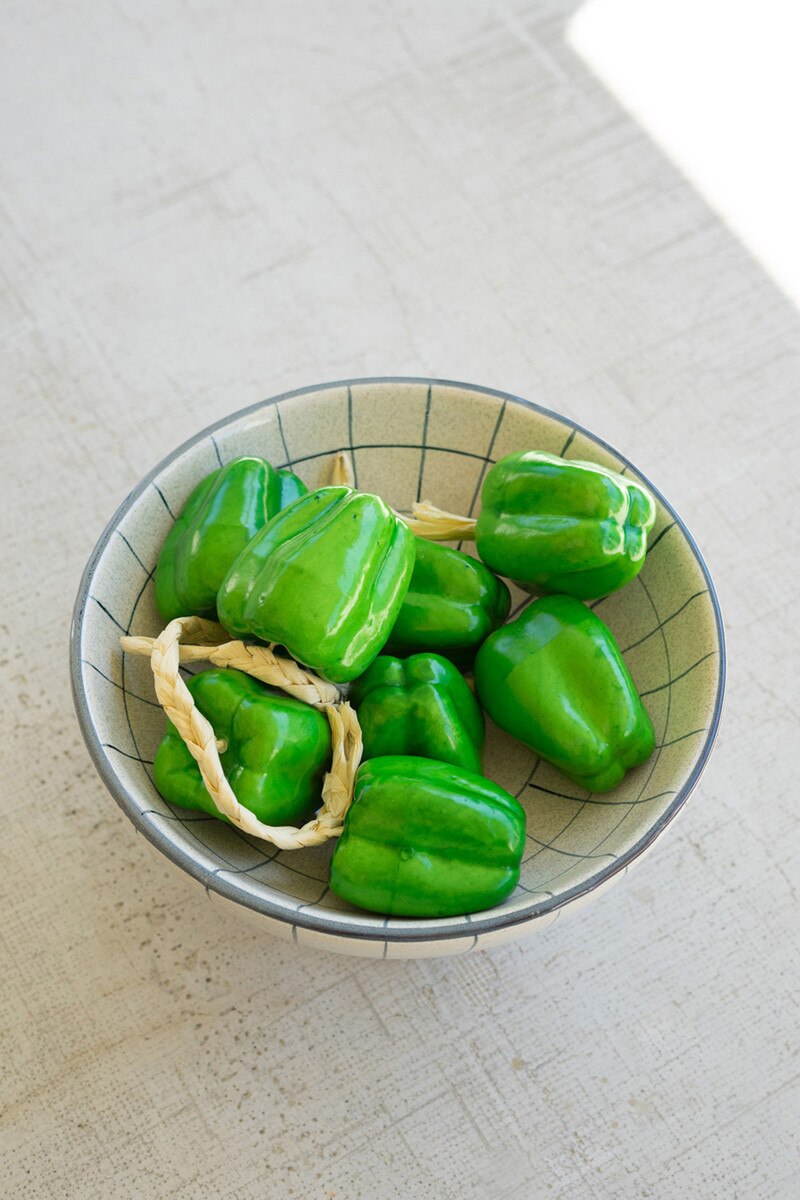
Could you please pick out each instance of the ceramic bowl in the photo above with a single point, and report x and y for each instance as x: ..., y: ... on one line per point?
x: 411, y: 439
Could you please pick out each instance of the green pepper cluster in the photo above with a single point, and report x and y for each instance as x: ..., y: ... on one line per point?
x: 338, y: 579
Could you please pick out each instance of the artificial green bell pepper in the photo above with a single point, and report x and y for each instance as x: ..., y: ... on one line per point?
x: 325, y: 578
x: 453, y: 602
x: 222, y: 514
x: 421, y: 706
x: 555, y: 679
x: 277, y: 750
x: 290, y: 488
x: 558, y: 526
x: 426, y: 839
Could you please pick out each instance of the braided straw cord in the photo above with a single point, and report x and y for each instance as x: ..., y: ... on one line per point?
x: 436, y: 525
x: 212, y: 643
x: 166, y: 654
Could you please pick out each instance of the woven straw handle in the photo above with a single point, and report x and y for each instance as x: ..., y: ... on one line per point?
x: 213, y: 643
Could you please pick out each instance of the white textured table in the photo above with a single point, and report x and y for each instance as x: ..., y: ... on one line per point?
x: 204, y: 204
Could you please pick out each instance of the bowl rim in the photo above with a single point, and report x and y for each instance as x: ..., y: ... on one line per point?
x: 441, y: 929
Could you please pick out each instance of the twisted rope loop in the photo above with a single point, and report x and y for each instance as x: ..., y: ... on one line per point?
x: 213, y: 643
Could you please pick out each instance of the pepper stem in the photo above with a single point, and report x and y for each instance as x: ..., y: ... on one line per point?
x: 436, y: 525
x: 342, y: 469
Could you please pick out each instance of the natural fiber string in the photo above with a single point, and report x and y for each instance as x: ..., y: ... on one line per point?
x: 213, y: 644
x: 166, y: 654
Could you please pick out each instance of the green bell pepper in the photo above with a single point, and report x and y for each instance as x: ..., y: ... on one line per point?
x: 555, y: 679
x: 420, y: 706
x: 325, y: 578
x: 453, y: 602
x: 425, y: 839
x: 277, y: 752
x: 222, y: 514
x: 290, y: 488
x: 567, y: 527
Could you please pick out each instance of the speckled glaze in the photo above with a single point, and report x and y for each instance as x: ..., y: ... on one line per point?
x: 411, y: 438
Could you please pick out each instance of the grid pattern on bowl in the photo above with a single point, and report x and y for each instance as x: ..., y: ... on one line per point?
x: 410, y: 441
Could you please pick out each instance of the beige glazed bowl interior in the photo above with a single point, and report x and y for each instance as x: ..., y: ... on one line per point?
x: 411, y: 439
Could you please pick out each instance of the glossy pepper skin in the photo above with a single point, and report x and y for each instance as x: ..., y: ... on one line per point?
x: 222, y: 514
x: 453, y: 602
x: 425, y: 839
x: 555, y: 526
x: 420, y: 706
x: 325, y: 578
x: 278, y: 750
x: 555, y: 679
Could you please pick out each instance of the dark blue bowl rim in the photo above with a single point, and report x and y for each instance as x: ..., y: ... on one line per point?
x: 424, y: 931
